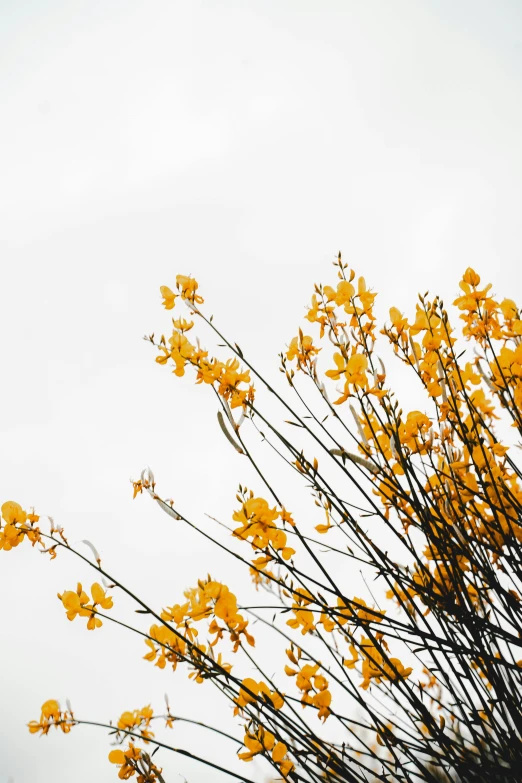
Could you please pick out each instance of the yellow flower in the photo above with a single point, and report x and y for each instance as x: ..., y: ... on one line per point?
x: 279, y: 752
x: 303, y: 349
x: 322, y: 701
x: 14, y: 516
x: 355, y: 370
x: 183, y: 325
x: 188, y: 287
x: 77, y: 604
x: 51, y: 709
x: 509, y: 309
x: 168, y: 297
x: 376, y: 667
x: 471, y: 277
x: 345, y: 291
x: 399, y: 323
x: 252, y: 691
x: 51, y: 715
x: 126, y: 760
x: 262, y: 740
x: 100, y: 597
x: 138, y: 720
x: 13, y: 513
x: 117, y: 756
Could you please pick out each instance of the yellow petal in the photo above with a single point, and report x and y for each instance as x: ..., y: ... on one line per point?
x: 117, y: 757
x: 12, y: 512
x: 50, y: 708
x: 98, y: 593
x: 279, y: 752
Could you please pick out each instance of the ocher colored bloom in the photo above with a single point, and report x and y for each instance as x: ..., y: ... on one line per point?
x: 263, y: 741
x: 13, y: 513
x: 100, y: 597
x: 345, y: 292
x: 259, y: 524
x: 303, y: 349
x: 77, y: 604
x: 168, y: 297
x: 51, y: 709
x: 398, y: 321
x: 187, y: 287
x: 252, y: 691
x: 137, y: 721
x: 376, y: 667
x: 126, y: 760
x: 14, y: 516
x: 51, y: 715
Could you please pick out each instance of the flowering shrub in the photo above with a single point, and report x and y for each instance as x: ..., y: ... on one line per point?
x: 421, y: 678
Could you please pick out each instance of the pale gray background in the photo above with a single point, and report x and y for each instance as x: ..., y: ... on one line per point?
x: 245, y: 143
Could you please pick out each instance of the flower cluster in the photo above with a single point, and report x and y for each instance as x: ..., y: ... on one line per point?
x: 176, y: 639
x: 12, y: 534
x: 137, y: 721
x: 214, y: 599
x: 134, y: 761
x: 376, y: 664
x: 231, y: 383
x: 52, y: 715
x: 252, y: 691
x: 187, y: 288
x: 258, y: 525
x: 78, y: 604
x: 259, y: 740
x: 17, y: 525
x: 312, y: 684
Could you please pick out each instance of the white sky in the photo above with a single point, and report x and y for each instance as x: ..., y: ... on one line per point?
x: 244, y: 143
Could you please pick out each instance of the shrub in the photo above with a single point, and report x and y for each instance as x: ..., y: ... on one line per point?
x: 418, y: 679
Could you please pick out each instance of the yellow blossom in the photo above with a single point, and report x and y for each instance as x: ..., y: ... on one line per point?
x: 168, y: 297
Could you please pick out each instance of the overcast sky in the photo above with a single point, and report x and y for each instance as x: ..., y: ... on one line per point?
x: 244, y: 143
